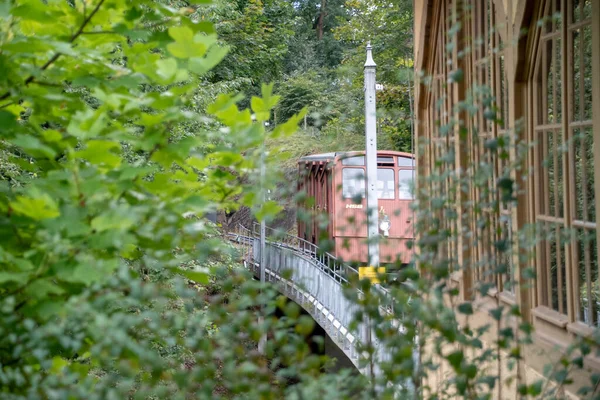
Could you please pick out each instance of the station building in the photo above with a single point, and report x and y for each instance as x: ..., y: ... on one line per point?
x: 513, y: 87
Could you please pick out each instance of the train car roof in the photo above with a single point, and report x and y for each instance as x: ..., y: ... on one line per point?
x: 332, y: 155
x: 319, y: 157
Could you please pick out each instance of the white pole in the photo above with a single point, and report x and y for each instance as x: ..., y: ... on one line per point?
x: 371, y: 158
x: 262, y: 342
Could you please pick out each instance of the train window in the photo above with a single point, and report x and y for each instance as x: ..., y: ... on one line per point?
x: 406, y: 162
x: 353, y: 182
x: 357, y: 160
x: 405, y: 184
x: 385, y: 183
x: 385, y: 160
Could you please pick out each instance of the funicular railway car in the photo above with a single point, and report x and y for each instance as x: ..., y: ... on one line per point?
x: 334, y: 185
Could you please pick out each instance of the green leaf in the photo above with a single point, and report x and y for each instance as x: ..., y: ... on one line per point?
x: 263, y: 106
x: 117, y: 219
x: 88, y: 123
x: 489, y: 114
x: 206, y: 40
x: 167, y: 69
x: 29, y: 11
x: 490, y: 381
x: 456, y: 76
x: 133, y: 13
x: 491, y: 144
x: 38, y: 207
x: 201, y: 65
x: 466, y: 308
x: 529, y: 273
x: 270, y: 101
x: 305, y: 325
x: 223, y: 103
x: 58, y: 364
x: 4, y: 9
x: 290, y: 126
x: 89, y: 271
x: 185, y: 46
x: 268, y: 210
x: 16, y: 277
x: 196, y: 276
x: 41, y: 288
x: 8, y: 121
x: 496, y: 313
x: 535, y: 388
x: 33, y: 146
x: 48, y: 309
x: 101, y: 153
x: 455, y: 359
x: 259, y: 108
x: 470, y: 371
x: 50, y: 135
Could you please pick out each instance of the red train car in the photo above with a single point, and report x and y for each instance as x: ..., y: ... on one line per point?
x: 335, y: 188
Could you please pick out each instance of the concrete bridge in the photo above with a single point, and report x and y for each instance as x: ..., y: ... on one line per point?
x: 314, y: 280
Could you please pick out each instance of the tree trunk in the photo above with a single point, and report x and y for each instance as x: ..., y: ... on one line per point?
x: 321, y: 20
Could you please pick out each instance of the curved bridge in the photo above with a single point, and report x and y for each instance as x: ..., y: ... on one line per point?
x: 315, y: 281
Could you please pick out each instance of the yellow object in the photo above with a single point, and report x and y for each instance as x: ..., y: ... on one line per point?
x: 370, y: 273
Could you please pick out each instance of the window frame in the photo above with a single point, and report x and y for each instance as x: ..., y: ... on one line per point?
x: 569, y: 317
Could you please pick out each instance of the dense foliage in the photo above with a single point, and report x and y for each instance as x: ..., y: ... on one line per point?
x: 117, y: 137
x: 112, y: 285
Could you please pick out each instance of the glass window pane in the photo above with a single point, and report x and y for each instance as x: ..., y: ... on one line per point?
x: 549, y: 60
x: 357, y: 160
x: 587, y: 8
x: 406, y: 162
x: 587, y: 262
x: 385, y: 183
x: 590, y: 192
x: 353, y: 182
x: 587, y: 72
x: 385, y: 160
x: 576, y: 13
x: 405, y: 184
x: 576, y: 76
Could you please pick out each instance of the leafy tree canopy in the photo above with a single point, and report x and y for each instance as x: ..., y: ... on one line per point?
x: 107, y: 278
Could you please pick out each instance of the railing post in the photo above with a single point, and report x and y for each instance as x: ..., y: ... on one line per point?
x: 262, y: 342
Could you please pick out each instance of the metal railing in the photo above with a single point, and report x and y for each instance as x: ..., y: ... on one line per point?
x: 325, y: 261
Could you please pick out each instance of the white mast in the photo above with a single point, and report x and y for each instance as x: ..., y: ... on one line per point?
x: 371, y: 158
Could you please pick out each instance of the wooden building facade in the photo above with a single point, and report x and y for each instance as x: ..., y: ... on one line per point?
x: 514, y: 86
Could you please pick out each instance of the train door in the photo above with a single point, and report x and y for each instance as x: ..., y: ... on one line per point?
x: 301, y: 204
x: 387, y: 207
x: 404, y: 217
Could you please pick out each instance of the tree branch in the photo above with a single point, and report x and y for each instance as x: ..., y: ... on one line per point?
x: 7, y: 104
x: 86, y: 21
x: 100, y: 33
x: 57, y: 55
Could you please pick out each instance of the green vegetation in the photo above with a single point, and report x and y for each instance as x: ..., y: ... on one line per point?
x: 112, y: 285
x: 121, y: 128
